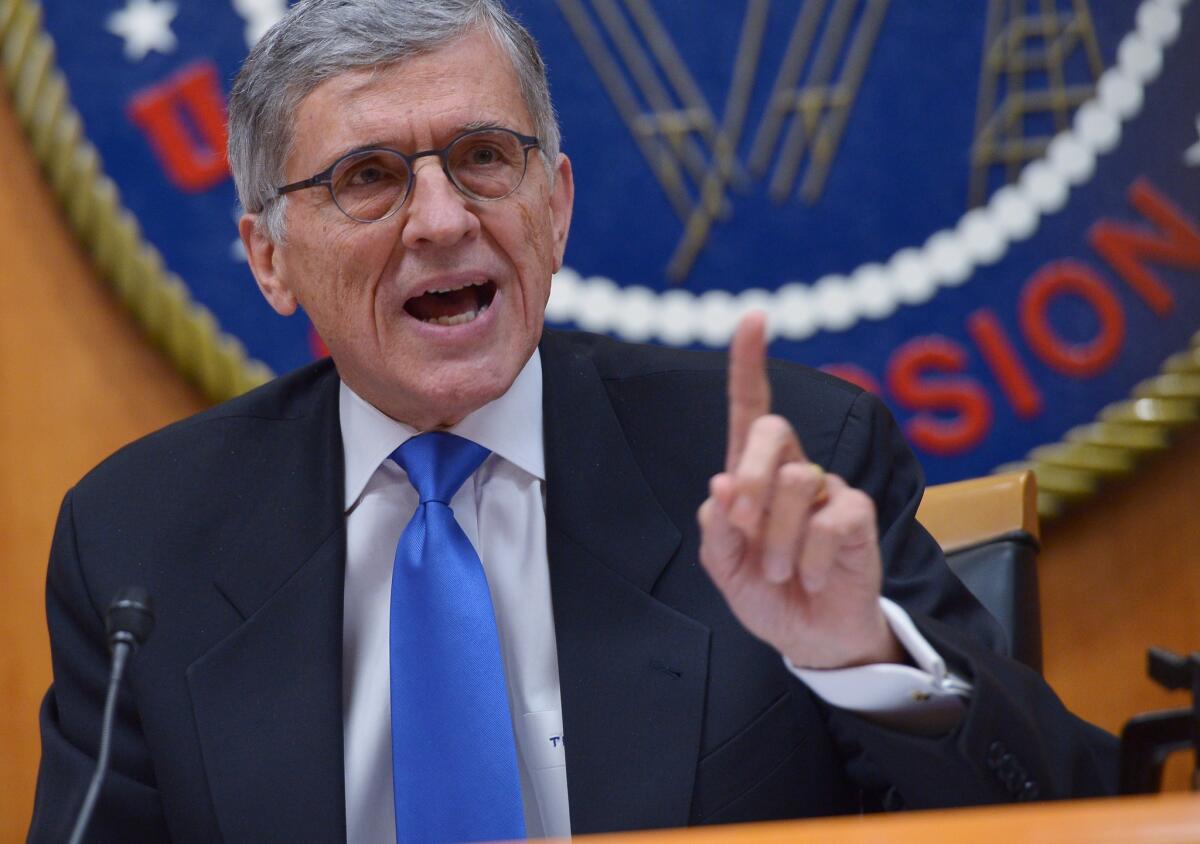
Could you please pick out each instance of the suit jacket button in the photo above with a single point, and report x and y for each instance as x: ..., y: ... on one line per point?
x: 1011, y: 773
x: 1029, y: 791
x: 995, y: 754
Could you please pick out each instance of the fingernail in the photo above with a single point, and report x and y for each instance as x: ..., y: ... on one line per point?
x: 777, y: 569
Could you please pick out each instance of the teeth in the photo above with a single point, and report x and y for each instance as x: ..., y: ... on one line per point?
x: 452, y: 289
x: 457, y: 319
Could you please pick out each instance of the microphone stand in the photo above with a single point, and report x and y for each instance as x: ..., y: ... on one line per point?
x: 120, y: 656
x: 128, y: 621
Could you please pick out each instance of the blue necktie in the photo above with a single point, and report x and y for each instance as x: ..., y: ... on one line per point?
x: 454, y: 760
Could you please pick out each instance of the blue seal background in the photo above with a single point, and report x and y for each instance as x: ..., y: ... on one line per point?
x: 900, y: 174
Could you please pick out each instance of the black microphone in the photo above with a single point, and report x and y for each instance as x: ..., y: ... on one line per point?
x: 129, y: 620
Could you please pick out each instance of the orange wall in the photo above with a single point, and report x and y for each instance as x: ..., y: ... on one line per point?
x: 77, y: 381
x: 1118, y: 575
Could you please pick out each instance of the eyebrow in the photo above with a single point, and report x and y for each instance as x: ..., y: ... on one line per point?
x: 473, y: 126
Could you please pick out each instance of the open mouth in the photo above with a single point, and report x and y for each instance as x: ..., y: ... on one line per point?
x: 456, y: 306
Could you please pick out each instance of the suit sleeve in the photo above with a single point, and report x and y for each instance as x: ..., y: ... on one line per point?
x: 128, y: 809
x: 1016, y: 740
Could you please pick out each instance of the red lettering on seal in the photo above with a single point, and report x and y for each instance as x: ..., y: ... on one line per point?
x: 908, y: 380
x: 1078, y: 360
x: 1126, y: 247
x: 184, y: 120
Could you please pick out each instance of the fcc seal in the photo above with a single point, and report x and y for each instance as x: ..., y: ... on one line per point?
x: 988, y: 213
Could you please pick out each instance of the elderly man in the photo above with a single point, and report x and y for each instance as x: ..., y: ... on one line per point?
x: 446, y: 585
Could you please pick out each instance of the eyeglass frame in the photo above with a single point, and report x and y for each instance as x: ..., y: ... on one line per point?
x: 325, y: 177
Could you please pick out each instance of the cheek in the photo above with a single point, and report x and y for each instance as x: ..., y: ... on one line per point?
x: 348, y: 262
x: 536, y: 233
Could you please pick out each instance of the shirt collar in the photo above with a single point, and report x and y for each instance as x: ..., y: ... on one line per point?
x: 510, y: 426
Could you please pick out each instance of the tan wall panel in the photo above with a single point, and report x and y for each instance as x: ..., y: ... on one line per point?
x: 1117, y: 576
x: 77, y: 381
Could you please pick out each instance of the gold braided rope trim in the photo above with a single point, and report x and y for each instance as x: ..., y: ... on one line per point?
x: 183, y: 328
x: 1124, y: 432
x: 1067, y: 472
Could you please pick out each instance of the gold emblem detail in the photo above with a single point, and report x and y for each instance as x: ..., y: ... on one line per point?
x: 692, y: 153
x: 1014, y: 120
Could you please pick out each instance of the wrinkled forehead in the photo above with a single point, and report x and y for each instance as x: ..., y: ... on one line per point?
x: 423, y: 99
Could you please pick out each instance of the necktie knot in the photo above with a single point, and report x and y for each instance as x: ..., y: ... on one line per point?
x: 438, y: 463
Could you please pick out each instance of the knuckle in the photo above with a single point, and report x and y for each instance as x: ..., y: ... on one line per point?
x: 814, y: 475
x: 849, y: 530
x: 823, y: 524
x: 792, y: 476
x: 856, y: 527
x: 772, y: 425
x: 860, y: 503
x: 755, y: 480
x: 800, y: 477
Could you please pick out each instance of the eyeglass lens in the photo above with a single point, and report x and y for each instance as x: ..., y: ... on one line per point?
x: 483, y: 165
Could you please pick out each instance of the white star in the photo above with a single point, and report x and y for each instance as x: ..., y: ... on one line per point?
x: 258, y: 15
x: 1191, y: 156
x: 145, y: 25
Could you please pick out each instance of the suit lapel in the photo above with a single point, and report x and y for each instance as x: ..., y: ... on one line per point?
x: 268, y: 698
x: 632, y: 670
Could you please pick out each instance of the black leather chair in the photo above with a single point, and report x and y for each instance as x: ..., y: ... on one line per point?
x: 988, y: 528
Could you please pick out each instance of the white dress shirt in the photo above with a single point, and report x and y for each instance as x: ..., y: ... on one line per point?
x: 501, y: 509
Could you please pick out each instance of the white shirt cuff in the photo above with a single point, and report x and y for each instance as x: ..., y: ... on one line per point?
x: 927, y: 700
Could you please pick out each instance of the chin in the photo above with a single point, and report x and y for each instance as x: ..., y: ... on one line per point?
x: 459, y: 394
x: 437, y: 393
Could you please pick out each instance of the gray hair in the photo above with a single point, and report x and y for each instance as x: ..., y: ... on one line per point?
x: 317, y: 40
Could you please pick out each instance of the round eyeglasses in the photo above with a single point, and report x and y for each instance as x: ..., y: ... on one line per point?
x: 371, y: 184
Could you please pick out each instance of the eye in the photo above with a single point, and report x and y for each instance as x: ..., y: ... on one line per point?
x: 365, y: 175
x: 370, y: 170
x: 484, y: 150
x: 484, y: 153
x: 487, y: 164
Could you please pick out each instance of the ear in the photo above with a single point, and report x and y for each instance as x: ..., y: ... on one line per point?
x: 562, y: 201
x: 266, y: 262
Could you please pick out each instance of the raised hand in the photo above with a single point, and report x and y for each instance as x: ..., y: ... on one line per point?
x: 793, y: 550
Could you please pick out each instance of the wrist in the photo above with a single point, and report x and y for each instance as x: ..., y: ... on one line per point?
x: 887, y: 650
x: 880, y: 646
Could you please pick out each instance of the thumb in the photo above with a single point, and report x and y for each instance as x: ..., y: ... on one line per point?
x: 721, y: 544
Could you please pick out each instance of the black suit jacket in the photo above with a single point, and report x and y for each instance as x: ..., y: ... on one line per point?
x: 230, y: 727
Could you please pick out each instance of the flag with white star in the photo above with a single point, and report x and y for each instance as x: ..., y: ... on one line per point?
x: 144, y: 25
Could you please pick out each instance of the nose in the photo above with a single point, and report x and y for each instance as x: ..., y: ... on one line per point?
x: 437, y: 214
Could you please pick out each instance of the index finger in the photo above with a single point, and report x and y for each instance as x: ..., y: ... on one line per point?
x: 749, y: 390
